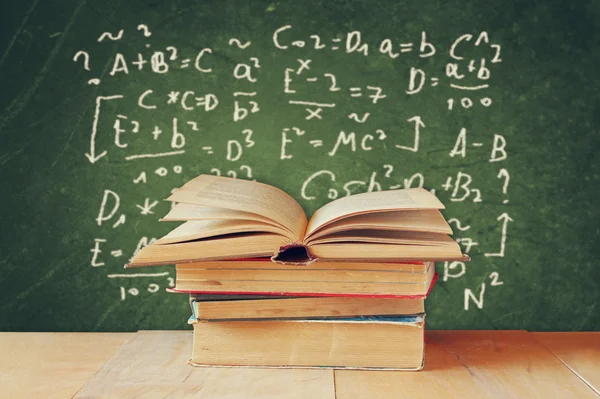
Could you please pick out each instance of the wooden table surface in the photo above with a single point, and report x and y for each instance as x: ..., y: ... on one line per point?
x: 153, y: 364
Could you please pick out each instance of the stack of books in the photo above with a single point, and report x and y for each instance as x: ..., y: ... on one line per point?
x: 270, y: 288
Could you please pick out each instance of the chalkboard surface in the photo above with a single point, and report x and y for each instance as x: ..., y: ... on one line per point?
x: 106, y: 106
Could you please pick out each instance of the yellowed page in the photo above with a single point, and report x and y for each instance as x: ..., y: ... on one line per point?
x: 184, y: 212
x: 388, y: 237
x: 424, y: 220
x: 233, y: 246
x: 244, y: 195
x: 376, y: 201
x: 197, y: 229
x: 387, y: 252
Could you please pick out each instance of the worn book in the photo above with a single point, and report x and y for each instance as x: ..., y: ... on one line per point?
x: 241, y: 306
x: 227, y: 218
x: 374, y: 342
x: 318, y: 278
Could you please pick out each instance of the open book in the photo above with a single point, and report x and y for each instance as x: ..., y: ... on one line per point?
x: 231, y: 219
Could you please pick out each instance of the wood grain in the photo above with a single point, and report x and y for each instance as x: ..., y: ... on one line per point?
x: 155, y: 365
x: 53, y: 365
x: 478, y: 364
x: 579, y: 351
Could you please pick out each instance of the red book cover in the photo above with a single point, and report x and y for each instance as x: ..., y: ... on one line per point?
x: 306, y: 294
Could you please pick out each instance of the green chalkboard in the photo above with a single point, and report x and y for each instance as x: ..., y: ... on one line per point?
x: 106, y: 106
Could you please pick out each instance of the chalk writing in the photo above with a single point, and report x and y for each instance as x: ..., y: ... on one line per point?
x: 339, y: 132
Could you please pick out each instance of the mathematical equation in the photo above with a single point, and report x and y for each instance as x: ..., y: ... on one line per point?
x: 174, y: 119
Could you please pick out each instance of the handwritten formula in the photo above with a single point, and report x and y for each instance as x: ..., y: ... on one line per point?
x: 223, y: 121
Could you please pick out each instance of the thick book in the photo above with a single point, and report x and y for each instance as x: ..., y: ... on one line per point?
x: 231, y: 219
x: 318, y: 278
x: 377, y: 342
x: 241, y: 307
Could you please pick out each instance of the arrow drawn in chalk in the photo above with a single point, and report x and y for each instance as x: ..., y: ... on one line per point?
x: 505, y: 219
x: 91, y: 156
x: 418, y: 123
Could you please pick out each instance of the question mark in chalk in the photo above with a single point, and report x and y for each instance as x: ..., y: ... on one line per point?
x: 248, y: 171
x: 86, y: 59
x: 388, y: 169
x: 504, y: 173
x: 144, y: 28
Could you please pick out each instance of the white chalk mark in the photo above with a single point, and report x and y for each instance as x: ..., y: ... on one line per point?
x: 314, y: 113
x: 504, y: 173
x: 94, y: 82
x: 354, y: 116
x: 316, y: 143
x: 137, y: 275
x: 238, y: 43
x: 255, y: 61
x: 92, y: 154
x: 173, y: 51
x: 248, y: 170
x: 496, y: 58
x: 388, y: 170
x: 146, y: 209
x: 244, y: 93
x: 458, y: 225
x: 116, y: 253
x: 311, y: 79
x: 119, y: 221
x: 495, y: 279
x: 418, y: 123
x: 86, y: 59
x: 315, y: 104
x: 483, y: 36
x: 194, y: 125
x: 140, y: 178
x: 141, y: 100
x: 96, y: 250
x: 505, y: 220
x: 110, y: 36
x: 304, y: 64
x: 469, y: 87
x: 144, y: 28
x: 333, y: 86
x: 160, y: 154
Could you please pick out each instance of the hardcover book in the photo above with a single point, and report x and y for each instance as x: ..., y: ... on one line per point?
x: 375, y: 342
x: 228, y: 218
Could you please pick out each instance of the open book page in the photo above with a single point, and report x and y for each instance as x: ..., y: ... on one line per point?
x: 197, y: 229
x: 233, y: 246
x: 376, y: 201
x: 244, y: 195
x: 389, y: 237
x: 424, y: 220
x: 183, y: 212
x: 387, y: 252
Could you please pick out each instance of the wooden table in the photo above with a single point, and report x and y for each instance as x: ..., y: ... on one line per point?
x: 153, y: 364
